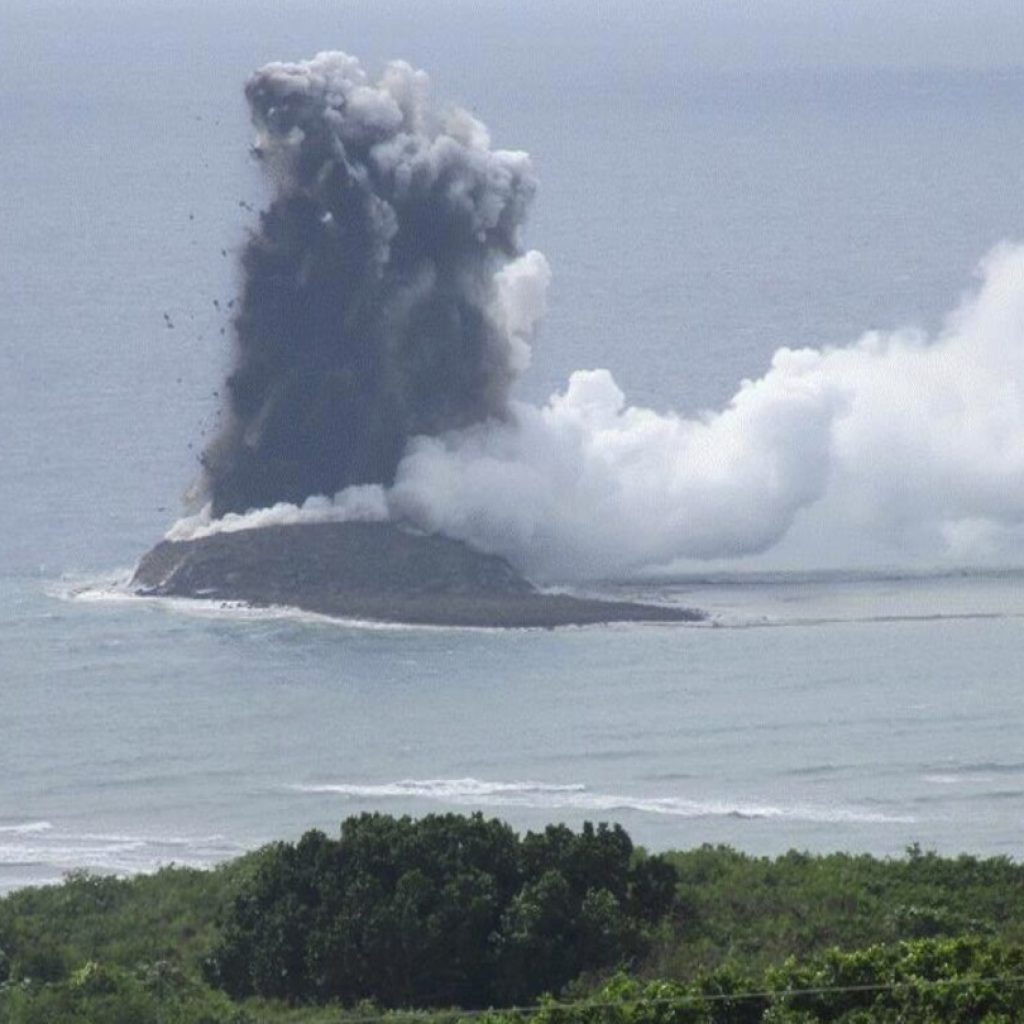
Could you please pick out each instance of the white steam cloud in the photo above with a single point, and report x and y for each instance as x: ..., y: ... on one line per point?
x: 908, y: 442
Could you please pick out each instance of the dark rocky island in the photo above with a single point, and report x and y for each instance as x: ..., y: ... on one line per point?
x: 372, y: 571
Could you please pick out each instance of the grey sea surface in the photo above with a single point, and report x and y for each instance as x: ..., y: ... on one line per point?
x: 861, y: 714
x: 696, y: 217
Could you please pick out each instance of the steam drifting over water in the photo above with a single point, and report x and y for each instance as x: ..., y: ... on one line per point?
x: 388, y: 308
x: 901, y: 439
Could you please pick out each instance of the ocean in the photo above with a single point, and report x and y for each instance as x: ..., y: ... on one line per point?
x: 697, y: 218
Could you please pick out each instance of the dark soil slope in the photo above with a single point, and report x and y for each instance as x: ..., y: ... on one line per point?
x: 371, y: 571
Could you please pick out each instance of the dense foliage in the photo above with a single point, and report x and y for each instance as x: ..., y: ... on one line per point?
x: 444, y: 911
x: 101, y: 950
x: 928, y: 981
x: 757, y: 911
x: 797, y: 939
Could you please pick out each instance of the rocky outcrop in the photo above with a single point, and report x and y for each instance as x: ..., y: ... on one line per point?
x: 373, y: 571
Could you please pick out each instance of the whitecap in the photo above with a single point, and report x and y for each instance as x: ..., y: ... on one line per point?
x: 26, y: 828
x: 577, y: 797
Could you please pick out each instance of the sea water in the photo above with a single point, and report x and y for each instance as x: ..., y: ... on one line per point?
x: 695, y: 220
x: 859, y: 714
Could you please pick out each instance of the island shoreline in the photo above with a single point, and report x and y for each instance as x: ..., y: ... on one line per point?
x: 375, y: 573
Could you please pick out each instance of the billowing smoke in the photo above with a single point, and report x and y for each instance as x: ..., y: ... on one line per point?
x: 910, y: 444
x: 374, y: 306
x: 377, y: 345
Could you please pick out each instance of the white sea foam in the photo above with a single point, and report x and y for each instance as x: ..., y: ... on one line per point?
x: 107, y: 586
x: 953, y: 780
x: 108, y: 589
x: 442, y: 789
x: 577, y: 797
x: 36, y: 852
x: 104, y: 590
x: 26, y: 828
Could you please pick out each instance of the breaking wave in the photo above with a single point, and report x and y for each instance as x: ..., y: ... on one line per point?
x: 577, y: 797
x: 26, y: 828
x: 35, y: 853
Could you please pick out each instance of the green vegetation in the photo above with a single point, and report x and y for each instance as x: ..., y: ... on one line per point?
x: 457, y: 911
x: 756, y: 911
x: 446, y: 911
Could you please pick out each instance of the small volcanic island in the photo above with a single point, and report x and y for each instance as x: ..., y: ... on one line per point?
x: 372, y: 571
x: 385, y: 300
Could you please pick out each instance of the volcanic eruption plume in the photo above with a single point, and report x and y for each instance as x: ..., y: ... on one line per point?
x: 374, y: 306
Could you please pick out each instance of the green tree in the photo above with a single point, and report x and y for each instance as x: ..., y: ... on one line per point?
x: 447, y: 910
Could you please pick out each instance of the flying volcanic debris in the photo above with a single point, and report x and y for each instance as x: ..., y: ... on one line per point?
x: 372, y: 307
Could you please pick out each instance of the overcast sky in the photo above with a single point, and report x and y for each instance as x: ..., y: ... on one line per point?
x: 700, y: 34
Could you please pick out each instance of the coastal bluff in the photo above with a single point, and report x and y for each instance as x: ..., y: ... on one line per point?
x: 372, y: 571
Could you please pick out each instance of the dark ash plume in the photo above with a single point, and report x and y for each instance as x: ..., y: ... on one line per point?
x: 369, y: 312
